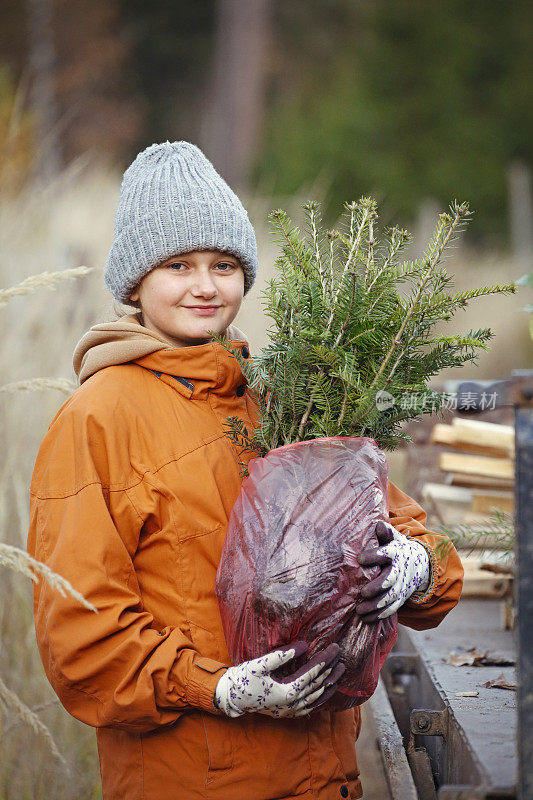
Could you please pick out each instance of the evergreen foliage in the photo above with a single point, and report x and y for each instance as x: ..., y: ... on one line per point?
x: 353, y: 344
x: 495, y: 535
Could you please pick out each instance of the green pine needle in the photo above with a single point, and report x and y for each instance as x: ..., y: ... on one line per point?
x: 494, y: 535
x: 353, y: 344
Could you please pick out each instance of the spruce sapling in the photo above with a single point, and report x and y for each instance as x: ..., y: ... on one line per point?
x: 353, y: 345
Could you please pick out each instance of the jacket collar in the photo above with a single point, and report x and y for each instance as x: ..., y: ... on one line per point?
x: 193, y: 371
x: 196, y: 371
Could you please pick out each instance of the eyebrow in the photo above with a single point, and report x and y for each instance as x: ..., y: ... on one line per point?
x: 229, y: 257
x: 183, y: 257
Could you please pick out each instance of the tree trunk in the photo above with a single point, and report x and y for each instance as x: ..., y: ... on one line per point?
x: 43, y: 92
x: 235, y: 95
x: 520, y: 211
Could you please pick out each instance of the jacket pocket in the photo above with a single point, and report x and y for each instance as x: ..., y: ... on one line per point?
x: 199, y: 560
x: 206, y: 642
x: 345, y: 727
x: 219, y: 744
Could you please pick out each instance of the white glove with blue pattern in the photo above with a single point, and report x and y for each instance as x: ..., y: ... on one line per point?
x: 405, y: 569
x: 250, y: 687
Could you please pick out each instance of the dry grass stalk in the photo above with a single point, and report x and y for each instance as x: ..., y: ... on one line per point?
x: 11, y: 700
x: 36, y: 384
x: 47, y: 279
x: 20, y: 561
x: 36, y: 709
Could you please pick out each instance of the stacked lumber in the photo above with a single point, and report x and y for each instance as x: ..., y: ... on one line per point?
x: 478, y: 477
x: 482, y: 456
x: 481, y: 581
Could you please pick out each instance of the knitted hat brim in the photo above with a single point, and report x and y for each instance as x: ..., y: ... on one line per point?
x: 163, y: 233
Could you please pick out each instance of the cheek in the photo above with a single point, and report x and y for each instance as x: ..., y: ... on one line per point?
x: 164, y: 294
x: 234, y: 291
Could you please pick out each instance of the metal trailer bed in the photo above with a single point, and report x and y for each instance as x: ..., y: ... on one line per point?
x: 435, y: 744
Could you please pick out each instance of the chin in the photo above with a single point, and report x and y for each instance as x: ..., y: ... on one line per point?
x: 202, y: 332
x: 196, y: 338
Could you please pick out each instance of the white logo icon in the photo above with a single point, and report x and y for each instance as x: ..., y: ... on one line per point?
x: 384, y: 400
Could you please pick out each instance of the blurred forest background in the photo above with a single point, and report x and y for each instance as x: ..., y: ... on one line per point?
x: 416, y: 103
x: 405, y: 100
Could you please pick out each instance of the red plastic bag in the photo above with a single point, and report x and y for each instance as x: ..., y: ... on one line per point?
x: 289, y: 566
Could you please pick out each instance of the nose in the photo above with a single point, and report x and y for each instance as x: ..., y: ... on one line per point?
x: 203, y: 285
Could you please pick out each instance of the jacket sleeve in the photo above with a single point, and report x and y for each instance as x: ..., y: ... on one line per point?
x: 113, y: 667
x: 427, y: 610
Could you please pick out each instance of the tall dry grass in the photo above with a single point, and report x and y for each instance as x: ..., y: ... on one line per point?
x: 44, y: 753
x: 55, y: 241
x: 54, y: 229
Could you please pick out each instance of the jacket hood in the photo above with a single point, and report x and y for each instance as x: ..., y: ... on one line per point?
x: 123, y: 340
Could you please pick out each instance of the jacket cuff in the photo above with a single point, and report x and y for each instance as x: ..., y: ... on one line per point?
x: 203, y: 678
x: 423, y: 597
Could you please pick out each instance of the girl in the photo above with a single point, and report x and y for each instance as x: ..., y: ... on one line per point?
x: 130, y: 498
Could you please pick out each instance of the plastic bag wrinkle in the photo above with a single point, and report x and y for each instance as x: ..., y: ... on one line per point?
x: 289, y: 566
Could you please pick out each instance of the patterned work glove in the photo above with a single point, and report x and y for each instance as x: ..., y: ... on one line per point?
x: 250, y: 687
x: 405, y: 568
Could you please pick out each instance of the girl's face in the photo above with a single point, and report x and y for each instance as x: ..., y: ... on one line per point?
x: 187, y: 295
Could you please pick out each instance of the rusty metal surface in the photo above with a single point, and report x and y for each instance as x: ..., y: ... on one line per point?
x: 397, y: 770
x: 430, y: 723
x: 478, y: 751
x: 523, y: 398
x: 521, y: 388
x: 432, y: 758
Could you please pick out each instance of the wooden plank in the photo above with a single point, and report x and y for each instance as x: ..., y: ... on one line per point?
x: 499, y: 434
x: 448, y: 494
x: 475, y: 517
x: 474, y: 499
x: 499, y: 468
x: 443, y: 434
x: 479, y: 583
x: 445, y: 504
x: 479, y: 481
x: 450, y: 436
x: 489, y: 434
x: 483, y: 502
x: 482, y: 583
x: 508, y: 614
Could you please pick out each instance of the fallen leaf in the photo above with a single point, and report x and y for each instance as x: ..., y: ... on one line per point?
x: 497, y: 660
x: 473, y: 658
x: 500, y: 682
x: 465, y: 658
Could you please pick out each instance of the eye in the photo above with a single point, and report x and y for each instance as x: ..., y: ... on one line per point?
x: 227, y: 264
x: 176, y: 264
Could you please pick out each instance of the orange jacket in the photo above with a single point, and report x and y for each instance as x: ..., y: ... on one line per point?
x: 130, y: 497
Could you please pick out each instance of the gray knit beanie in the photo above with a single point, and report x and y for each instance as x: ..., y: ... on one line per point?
x: 172, y: 200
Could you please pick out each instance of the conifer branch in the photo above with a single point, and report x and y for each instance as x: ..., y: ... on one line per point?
x: 307, y: 411
x: 343, y: 332
x: 370, y: 256
x: 353, y: 245
x: 344, y: 404
x: 346, y: 321
x: 288, y: 239
x: 436, y: 249
x: 311, y: 210
x: 332, y: 238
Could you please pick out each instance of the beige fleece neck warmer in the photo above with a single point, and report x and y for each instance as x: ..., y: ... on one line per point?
x: 122, y: 340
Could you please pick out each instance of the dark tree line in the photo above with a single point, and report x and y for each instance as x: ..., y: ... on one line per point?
x: 405, y: 100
